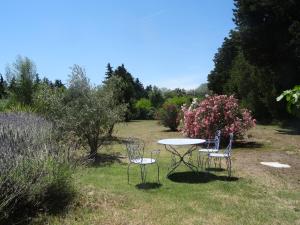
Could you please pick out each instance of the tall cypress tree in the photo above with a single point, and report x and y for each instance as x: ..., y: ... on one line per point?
x: 109, y: 71
x: 139, y: 89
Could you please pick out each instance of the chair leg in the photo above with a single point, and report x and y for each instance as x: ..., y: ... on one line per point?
x: 191, y: 157
x: 204, y: 162
x: 229, y: 166
x: 128, y: 173
x: 157, y: 173
x: 207, y: 162
x: 143, y: 173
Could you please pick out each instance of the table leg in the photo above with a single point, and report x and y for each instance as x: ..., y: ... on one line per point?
x: 175, y: 164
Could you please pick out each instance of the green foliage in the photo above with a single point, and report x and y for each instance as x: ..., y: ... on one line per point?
x: 292, y: 97
x: 201, y: 91
x: 169, y: 116
x: 243, y: 79
x: 126, y: 91
x: 21, y: 75
x: 3, y: 104
x: 144, y: 109
x: 139, y: 89
x: 269, y: 32
x: 177, y: 92
x: 179, y: 101
x: 17, y: 107
x: 2, y: 87
x: 260, y: 58
x: 50, y: 102
x: 223, y: 62
x: 88, y: 113
x: 156, y: 97
x: 32, y: 163
x: 109, y: 71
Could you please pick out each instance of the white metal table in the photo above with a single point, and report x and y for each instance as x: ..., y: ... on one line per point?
x: 178, y: 157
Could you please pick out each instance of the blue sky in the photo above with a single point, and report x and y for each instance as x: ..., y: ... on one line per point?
x: 168, y: 43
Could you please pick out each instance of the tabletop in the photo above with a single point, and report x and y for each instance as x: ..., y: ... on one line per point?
x: 181, y: 141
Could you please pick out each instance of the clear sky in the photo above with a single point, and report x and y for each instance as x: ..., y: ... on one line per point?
x: 168, y: 43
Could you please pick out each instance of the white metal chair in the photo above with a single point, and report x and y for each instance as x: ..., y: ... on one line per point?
x: 226, y: 155
x: 212, y: 146
x: 135, y: 149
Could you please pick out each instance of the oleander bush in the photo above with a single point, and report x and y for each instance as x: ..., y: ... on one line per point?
x: 34, y: 170
x: 217, y: 112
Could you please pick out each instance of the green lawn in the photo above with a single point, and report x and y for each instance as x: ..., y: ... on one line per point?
x: 255, y: 194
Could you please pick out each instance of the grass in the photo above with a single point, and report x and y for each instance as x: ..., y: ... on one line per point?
x: 255, y: 194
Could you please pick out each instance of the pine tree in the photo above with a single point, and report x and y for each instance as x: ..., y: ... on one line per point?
x: 109, y: 71
x: 58, y: 84
x: 139, y: 89
x: 2, y: 87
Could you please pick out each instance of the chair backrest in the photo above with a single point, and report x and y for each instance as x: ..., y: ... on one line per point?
x: 135, y: 148
x: 217, y: 139
x: 229, y: 147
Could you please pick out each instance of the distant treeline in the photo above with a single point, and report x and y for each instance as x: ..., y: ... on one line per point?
x: 22, y: 82
x: 261, y: 57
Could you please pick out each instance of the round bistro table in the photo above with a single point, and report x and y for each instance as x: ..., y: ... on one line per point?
x: 178, y: 156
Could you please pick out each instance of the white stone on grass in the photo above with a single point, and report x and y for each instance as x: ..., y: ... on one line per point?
x: 275, y: 164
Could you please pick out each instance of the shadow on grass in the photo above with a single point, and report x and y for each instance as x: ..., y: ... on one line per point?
x: 288, y: 131
x: 148, y: 186
x: 198, y: 177
x: 213, y: 169
x: 58, y: 198
x: 169, y: 131
x: 247, y: 144
x: 114, y: 140
x: 56, y: 202
x: 290, y: 127
x: 103, y: 159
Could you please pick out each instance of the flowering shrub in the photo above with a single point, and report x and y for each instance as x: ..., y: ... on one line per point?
x: 218, y: 112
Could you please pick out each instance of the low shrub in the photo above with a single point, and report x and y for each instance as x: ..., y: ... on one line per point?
x: 33, y: 169
x: 179, y: 100
x: 218, y: 112
x: 144, y: 109
x: 169, y: 116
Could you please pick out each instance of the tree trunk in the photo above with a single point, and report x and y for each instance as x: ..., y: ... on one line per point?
x: 93, y: 152
x: 111, y: 130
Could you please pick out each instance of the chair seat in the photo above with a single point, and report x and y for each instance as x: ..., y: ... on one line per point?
x: 219, y: 155
x: 208, y: 150
x: 143, y: 161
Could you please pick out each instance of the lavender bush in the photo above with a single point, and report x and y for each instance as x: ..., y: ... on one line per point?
x: 33, y: 168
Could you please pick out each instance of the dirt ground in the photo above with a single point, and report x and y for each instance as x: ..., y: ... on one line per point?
x: 270, y: 144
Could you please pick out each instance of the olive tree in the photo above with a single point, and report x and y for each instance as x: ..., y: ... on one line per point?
x: 83, y: 111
